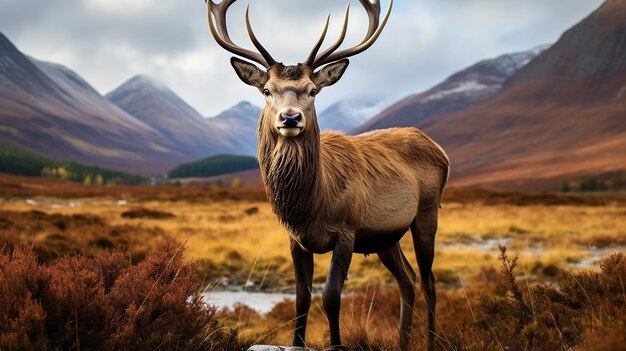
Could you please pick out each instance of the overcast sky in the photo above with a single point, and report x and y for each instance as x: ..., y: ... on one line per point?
x: 109, y: 41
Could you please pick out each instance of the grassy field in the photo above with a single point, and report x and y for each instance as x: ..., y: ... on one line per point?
x: 235, y: 238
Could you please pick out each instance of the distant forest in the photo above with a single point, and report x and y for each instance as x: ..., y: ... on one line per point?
x: 17, y: 161
x: 214, y: 166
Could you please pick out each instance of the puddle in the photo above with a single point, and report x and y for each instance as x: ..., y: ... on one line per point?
x: 258, y: 301
x: 484, y: 246
x: 595, y: 255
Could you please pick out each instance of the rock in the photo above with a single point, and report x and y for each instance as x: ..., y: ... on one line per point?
x: 277, y: 348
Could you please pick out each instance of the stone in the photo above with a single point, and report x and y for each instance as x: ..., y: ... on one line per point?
x: 277, y: 348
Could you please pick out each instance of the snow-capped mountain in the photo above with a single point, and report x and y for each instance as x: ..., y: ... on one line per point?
x: 345, y: 115
x: 239, y: 123
x: 156, y: 105
x: 561, y: 117
x: 459, y: 91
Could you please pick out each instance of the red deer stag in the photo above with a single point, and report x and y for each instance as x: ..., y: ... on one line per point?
x: 339, y: 193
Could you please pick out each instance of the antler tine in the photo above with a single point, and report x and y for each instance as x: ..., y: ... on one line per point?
x: 220, y: 34
x: 374, y: 30
x: 309, y: 61
x: 266, y: 55
x: 373, y: 15
x: 330, y: 50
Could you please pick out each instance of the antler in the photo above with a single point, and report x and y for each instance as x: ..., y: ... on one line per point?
x: 220, y: 34
x: 372, y: 7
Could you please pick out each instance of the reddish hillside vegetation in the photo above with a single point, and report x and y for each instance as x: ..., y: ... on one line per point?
x: 561, y: 117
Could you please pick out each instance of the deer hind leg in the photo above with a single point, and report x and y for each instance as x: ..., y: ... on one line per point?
x: 423, y: 229
x: 395, y: 261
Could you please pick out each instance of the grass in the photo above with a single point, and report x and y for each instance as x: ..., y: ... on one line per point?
x: 232, y: 236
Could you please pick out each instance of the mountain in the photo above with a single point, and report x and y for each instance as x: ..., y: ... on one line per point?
x: 159, y: 107
x: 50, y: 110
x: 345, y: 115
x: 560, y: 117
x: 459, y: 91
x: 239, y: 123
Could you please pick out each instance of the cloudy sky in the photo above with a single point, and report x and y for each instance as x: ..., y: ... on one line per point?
x: 109, y: 41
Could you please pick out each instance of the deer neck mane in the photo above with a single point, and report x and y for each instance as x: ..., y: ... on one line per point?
x: 291, y: 172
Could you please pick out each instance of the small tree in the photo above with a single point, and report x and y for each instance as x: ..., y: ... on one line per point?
x: 87, y: 180
x: 565, y: 187
x: 63, y: 173
x: 237, y: 183
x: 46, y: 172
x: 99, y: 180
x: 592, y: 184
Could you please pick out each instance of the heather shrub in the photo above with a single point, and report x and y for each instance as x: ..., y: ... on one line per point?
x: 105, y: 302
x: 55, y: 235
x: 587, y: 310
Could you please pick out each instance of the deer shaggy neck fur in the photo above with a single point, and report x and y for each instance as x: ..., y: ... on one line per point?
x: 290, y: 170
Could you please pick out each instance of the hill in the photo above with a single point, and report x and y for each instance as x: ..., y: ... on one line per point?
x: 459, y: 91
x: 213, y: 166
x: 21, y: 162
x: 561, y: 117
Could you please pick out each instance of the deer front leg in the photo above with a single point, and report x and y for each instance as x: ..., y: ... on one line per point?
x: 303, y: 266
x: 342, y: 255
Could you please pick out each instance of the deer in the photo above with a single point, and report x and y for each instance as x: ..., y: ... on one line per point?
x: 334, y: 192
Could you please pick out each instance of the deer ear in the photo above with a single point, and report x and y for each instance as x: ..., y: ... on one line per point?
x: 330, y: 74
x: 249, y: 73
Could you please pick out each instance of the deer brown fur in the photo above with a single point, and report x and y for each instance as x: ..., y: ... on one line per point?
x: 339, y: 193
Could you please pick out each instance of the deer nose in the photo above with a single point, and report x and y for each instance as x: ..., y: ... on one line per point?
x: 291, y: 121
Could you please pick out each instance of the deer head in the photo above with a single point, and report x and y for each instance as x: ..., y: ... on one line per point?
x: 290, y: 90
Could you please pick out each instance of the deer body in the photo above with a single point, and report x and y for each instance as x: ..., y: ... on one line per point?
x: 371, y: 185
x: 345, y: 194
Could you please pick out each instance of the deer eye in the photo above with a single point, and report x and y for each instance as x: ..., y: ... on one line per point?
x: 267, y: 93
x: 313, y: 93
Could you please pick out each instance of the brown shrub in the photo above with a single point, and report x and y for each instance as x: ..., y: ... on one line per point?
x: 146, y: 213
x: 542, y: 317
x: 104, y: 302
x: 55, y: 235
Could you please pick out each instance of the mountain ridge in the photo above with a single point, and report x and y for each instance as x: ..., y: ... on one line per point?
x: 458, y: 91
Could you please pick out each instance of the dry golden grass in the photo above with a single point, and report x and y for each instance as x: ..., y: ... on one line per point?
x: 233, y: 235
x: 230, y: 238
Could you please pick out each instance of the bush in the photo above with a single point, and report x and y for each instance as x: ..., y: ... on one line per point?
x: 104, y: 302
x: 541, y: 317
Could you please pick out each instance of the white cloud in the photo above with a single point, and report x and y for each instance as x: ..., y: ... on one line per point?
x: 120, y: 7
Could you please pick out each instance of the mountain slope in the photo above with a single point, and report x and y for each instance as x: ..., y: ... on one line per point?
x: 239, y: 123
x: 459, y: 91
x: 48, y: 109
x: 160, y: 108
x: 346, y: 115
x: 561, y: 117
